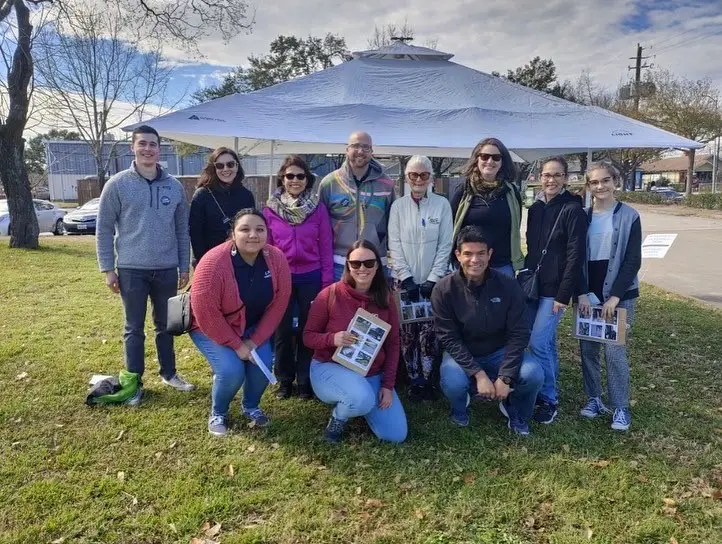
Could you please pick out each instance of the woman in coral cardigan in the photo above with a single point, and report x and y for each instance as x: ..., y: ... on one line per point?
x: 363, y: 285
x: 240, y: 293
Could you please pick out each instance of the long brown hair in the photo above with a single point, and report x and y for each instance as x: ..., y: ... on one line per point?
x: 379, y: 289
x: 209, y: 177
x: 507, y: 172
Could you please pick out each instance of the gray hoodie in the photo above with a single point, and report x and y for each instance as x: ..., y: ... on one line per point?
x: 147, y: 220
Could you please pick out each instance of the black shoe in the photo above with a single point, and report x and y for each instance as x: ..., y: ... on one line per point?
x: 429, y: 393
x: 416, y: 393
x: 334, y: 430
x: 285, y: 390
x: 545, y: 412
x: 305, y: 392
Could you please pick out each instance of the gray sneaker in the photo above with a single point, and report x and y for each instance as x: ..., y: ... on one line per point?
x: 257, y: 417
x: 179, y: 384
x: 135, y: 399
x: 218, y: 425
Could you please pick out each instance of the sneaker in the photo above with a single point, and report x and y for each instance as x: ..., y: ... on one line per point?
x: 179, y: 384
x: 545, y: 412
x: 515, y: 424
x: 218, y: 425
x: 334, y: 430
x: 593, y: 408
x: 305, y: 392
x: 622, y: 419
x: 135, y: 399
x: 460, y: 418
x: 285, y: 390
x: 257, y: 416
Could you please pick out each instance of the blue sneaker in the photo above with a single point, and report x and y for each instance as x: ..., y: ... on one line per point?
x: 622, y: 419
x: 218, y: 425
x: 515, y: 424
x: 334, y: 430
x: 593, y: 408
x: 257, y: 417
x: 461, y: 418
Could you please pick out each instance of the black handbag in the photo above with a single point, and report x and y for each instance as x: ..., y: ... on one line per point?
x: 180, y: 314
x: 528, y: 279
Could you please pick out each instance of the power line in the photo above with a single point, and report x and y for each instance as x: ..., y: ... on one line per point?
x: 688, y: 42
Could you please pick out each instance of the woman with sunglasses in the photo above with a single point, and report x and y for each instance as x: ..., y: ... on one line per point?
x: 219, y: 196
x: 420, y: 240
x: 298, y: 225
x: 363, y: 285
x: 240, y: 293
x: 556, y: 243
x: 490, y: 200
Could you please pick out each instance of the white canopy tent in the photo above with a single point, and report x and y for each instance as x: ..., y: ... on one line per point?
x: 412, y: 100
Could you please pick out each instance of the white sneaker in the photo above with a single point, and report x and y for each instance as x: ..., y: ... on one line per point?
x: 179, y: 384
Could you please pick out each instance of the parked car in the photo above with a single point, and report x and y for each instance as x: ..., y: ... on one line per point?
x: 82, y: 220
x: 50, y: 217
x: 669, y: 195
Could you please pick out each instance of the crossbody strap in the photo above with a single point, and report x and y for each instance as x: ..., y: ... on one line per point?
x: 225, y: 217
x: 546, y: 246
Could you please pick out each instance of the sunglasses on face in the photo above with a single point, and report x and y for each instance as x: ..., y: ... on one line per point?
x: 291, y: 177
x: 368, y: 263
x: 413, y: 176
x: 496, y: 157
x: 222, y: 165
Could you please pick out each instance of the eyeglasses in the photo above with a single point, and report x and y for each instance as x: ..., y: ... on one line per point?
x: 290, y: 177
x: 547, y: 176
x: 368, y: 263
x: 496, y: 157
x: 222, y: 165
x: 413, y: 176
x: 360, y: 147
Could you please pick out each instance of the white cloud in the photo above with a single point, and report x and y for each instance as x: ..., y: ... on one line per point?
x: 501, y: 35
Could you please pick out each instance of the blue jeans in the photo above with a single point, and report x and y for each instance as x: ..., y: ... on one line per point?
x: 354, y: 395
x: 543, y: 344
x: 507, y: 269
x: 230, y: 373
x: 456, y: 384
x: 136, y: 286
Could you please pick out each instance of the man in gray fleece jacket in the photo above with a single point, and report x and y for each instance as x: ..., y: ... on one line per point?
x: 142, y: 246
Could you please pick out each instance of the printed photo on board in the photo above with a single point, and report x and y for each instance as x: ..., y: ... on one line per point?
x: 377, y: 333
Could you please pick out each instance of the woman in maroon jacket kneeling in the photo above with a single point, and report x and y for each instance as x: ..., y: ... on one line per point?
x: 363, y: 285
x: 239, y: 295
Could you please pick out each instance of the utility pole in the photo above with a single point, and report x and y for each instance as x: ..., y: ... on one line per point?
x: 638, y: 74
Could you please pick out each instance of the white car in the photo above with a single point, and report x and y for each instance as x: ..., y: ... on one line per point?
x: 50, y: 217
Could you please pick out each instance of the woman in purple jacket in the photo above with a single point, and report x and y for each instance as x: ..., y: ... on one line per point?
x: 298, y: 225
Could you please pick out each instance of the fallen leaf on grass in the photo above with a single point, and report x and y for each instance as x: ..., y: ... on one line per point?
x: 203, y: 541
x: 172, y: 445
x: 669, y: 502
x: 231, y: 471
x: 601, y: 463
x: 121, y: 476
x: 456, y: 479
x: 251, y: 448
x: 214, y: 531
x: 251, y: 424
x: 642, y: 478
x: 588, y: 533
x: 673, y: 540
x: 374, y: 503
x: 717, y: 495
x: 275, y: 445
x: 321, y: 467
x: 58, y: 540
x: 529, y: 522
x: 21, y: 376
x: 419, y: 513
x: 120, y: 435
x: 566, y: 448
x: 358, y: 490
x: 469, y: 478
x: 173, y: 527
x: 158, y: 454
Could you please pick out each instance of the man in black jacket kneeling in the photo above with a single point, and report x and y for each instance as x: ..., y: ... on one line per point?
x: 481, y: 322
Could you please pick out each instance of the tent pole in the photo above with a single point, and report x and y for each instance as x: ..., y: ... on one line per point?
x: 587, y: 194
x: 235, y: 145
x: 270, y: 173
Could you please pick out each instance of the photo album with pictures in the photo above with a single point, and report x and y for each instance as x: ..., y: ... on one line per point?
x: 596, y: 329
x: 369, y: 332
x: 413, y: 312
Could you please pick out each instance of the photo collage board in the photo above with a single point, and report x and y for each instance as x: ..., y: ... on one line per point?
x: 595, y: 328
x: 413, y: 312
x: 370, y: 333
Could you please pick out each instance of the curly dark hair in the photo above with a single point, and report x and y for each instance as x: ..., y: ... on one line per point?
x: 209, y: 177
x: 295, y: 160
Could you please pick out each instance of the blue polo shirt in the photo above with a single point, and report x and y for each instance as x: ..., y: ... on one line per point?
x: 255, y: 287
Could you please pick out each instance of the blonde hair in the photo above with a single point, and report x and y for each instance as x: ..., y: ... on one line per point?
x: 603, y: 165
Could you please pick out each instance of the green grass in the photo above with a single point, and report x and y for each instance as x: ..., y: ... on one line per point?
x: 574, y: 481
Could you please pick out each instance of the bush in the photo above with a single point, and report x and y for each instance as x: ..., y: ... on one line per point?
x: 641, y: 197
x: 708, y: 201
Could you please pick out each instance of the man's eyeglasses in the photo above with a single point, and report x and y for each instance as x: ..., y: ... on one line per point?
x: 360, y: 147
x: 291, y: 177
x: 496, y: 157
x: 413, y: 176
x: 222, y: 165
x: 368, y: 263
x: 547, y: 176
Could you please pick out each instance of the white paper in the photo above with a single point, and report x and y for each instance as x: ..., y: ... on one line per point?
x: 267, y: 373
x: 655, y: 246
x: 95, y: 378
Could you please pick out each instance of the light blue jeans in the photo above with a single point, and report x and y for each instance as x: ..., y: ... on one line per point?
x: 230, y: 373
x: 543, y: 344
x: 354, y: 395
x: 456, y: 384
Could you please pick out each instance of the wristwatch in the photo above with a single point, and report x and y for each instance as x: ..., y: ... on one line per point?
x: 507, y: 380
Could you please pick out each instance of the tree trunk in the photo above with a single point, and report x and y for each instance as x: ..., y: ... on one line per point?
x: 24, y: 229
x: 690, y: 172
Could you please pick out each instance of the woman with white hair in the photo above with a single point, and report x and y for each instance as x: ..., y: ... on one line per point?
x: 420, y: 238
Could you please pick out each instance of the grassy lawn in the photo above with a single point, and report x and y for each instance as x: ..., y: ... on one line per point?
x: 69, y: 473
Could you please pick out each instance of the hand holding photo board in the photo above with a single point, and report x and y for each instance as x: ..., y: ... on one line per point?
x: 370, y: 333
x: 413, y: 312
x: 596, y: 329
